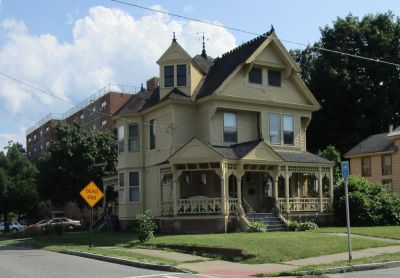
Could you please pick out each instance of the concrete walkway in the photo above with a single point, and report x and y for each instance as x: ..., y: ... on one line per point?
x: 219, y: 267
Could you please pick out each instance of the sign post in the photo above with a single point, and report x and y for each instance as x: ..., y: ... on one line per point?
x: 91, y: 194
x: 345, y: 175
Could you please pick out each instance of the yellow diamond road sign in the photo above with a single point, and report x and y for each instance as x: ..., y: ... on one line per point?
x: 91, y: 194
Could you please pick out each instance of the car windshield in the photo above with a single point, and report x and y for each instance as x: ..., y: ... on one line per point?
x: 42, y: 222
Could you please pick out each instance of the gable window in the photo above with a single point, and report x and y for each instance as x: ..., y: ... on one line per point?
x: 386, y: 164
x: 230, y: 127
x: 387, y: 185
x: 121, y: 137
x: 104, y: 123
x: 275, y: 128
x: 133, y: 137
x: 181, y: 75
x: 366, y: 166
x: 169, y: 76
x: 152, y: 134
x: 121, y: 190
x: 288, y: 130
x: 274, y: 78
x: 255, y: 76
x: 134, y: 187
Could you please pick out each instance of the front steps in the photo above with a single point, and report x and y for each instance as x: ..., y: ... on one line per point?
x: 274, y: 223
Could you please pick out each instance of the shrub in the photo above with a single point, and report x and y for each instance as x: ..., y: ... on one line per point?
x: 257, y: 227
x: 307, y: 226
x: 293, y: 226
x: 369, y: 204
x: 145, y: 226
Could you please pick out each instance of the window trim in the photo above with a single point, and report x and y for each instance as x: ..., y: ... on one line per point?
x: 281, y: 130
x: 131, y: 138
x: 177, y: 75
x: 383, y: 165
x: 364, y: 174
x: 236, y: 126
x: 173, y: 76
x: 152, y: 134
x: 136, y: 186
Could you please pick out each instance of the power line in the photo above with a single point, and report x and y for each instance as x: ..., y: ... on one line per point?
x: 256, y: 34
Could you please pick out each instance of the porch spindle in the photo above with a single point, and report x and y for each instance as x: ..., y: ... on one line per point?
x: 331, y: 188
x: 287, y: 188
x: 223, y: 197
x: 174, y: 195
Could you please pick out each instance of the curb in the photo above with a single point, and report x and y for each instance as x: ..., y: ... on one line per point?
x: 353, y: 268
x: 168, y: 268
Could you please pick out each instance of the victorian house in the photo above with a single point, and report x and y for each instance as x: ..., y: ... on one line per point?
x: 219, y: 141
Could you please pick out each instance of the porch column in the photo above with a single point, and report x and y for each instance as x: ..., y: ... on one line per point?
x: 331, y: 188
x: 275, y: 185
x: 321, y: 208
x: 239, y: 187
x: 175, y: 184
x: 287, y: 188
x: 221, y: 174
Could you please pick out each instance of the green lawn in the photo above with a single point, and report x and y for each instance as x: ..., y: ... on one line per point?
x: 379, y: 231
x: 272, y: 247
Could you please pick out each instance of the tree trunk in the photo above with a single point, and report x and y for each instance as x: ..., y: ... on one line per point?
x: 6, y: 224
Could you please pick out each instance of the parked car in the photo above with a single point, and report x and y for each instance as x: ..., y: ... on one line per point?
x: 39, y: 225
x: 67, y: 223
x: 14, y: 226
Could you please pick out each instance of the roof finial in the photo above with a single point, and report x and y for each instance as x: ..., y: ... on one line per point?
x: 174, y: 39
x: 203, y: 52
x: 272, y: 29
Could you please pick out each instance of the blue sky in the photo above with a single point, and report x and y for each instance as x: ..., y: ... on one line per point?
x: 72, y: 48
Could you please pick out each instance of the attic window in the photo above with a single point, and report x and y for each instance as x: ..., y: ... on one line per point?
x: 274, y: 78
x: 181, y: 75
x: 255, y: 76
x: 169, y: 76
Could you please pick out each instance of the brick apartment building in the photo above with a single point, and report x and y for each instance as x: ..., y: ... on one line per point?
x: 94, y: 113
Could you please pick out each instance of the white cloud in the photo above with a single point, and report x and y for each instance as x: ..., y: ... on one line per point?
x: 108, y: 46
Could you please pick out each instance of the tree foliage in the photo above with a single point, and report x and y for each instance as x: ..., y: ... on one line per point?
x: 358, y: 97
x: 369, y: 204
x: 75, y: 158
x: 18, y: 192
x: 332, y: 154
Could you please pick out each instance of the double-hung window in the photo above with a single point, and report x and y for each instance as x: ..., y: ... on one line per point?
x: 386, y: 164
x: 134, y: 188
x: 366, y: 166
x: 230, y: 127
x: 121, y: 190
x: 121, y: 139
x: 169, y: 76
x: 275, y: 128
x: 133, y: 137
x: 181, y: 75
x: 288, y: 130
x: 152, y: 128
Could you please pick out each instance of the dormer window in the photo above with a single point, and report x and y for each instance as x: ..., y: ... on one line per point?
x: 255, y: 76
x: 181, y: 75
x: 169, y: 76
x: 230, y: 128
x: 274, y: 78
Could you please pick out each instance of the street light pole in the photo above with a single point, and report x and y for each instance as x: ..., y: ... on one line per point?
x: 346, y: 191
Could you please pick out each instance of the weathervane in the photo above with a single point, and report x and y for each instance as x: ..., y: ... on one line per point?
x: 204, y: 39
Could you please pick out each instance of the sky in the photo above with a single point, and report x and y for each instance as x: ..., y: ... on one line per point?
x: 72, y: 48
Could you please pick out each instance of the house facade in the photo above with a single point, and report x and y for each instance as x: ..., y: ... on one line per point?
x: 220, y: 139
x: 377, y: 159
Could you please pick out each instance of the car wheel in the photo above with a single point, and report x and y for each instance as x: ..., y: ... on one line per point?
x: 14, y: 230
x: 70, y: 227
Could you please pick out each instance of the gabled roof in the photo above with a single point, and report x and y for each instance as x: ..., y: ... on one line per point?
x: 136, y: 102
x: 202, y: 63
x: 372, y: 144
x: 229, y: 61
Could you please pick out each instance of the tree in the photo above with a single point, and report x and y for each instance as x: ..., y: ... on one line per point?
x: 332, y: 154
x: 358, y: 97
x: 18, y: 193
x: 76, y: 158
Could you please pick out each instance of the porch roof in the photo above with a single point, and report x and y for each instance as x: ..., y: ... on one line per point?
x: 305, y: 157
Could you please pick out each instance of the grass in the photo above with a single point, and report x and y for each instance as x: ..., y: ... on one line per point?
x: 80, y: 242
x: 318, y: 269
x: 272, y: 247
x: 379, y: 231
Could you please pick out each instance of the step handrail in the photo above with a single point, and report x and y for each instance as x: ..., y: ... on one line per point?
x: 248, y: 209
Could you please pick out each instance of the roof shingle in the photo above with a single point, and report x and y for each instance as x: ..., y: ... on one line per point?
x: 372, y: 144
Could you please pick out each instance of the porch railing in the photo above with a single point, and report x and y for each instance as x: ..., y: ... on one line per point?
x: 303, y: 204
x: 198, y: 206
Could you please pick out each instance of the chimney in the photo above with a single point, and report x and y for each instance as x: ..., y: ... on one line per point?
x: 390, y: 128
x: 153, y: 83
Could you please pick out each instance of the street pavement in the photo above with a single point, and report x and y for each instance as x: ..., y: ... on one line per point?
x: 25, y: 263
x: 384, y: 273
